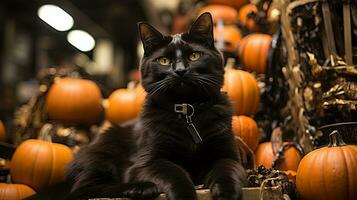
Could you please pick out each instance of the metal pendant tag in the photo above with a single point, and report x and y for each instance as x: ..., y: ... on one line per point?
x: 188, y: 110
x: 194, y: 133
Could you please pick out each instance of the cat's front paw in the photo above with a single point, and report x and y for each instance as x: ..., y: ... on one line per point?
x: 226, y: 192
x: 141, y: 191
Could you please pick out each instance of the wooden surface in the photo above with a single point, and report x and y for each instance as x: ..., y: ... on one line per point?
x: 273, y: 193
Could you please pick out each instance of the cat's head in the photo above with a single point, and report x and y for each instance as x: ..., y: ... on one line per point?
x: 183, y: 66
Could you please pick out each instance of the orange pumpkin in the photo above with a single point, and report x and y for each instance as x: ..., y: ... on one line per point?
x: 329, y: 173
x: 38, y: 163
x: 15, y: 191
x: 243, y: 18
x: 233, y: 3
x: 2, y: 132
x: 227, y: 38
x: 221, y: 13
x: 264, y: 156
x: 253, y: 52
x: 246, y: 128
x: 243, y: 91
x: 74, y: 101
x: 122, y: 106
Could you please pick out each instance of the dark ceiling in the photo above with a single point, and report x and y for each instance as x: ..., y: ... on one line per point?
x: 22, y: 32
x: 113, y: 19
x: 117, y: 17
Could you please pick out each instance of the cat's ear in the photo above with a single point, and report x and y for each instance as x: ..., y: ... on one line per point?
x: 202, y: 29
x: 150, y: 37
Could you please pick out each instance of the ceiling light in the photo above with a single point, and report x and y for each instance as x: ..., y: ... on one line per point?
x: 55, y: 17
x: 81, y: 40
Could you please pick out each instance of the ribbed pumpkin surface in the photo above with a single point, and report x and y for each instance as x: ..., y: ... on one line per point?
x: 328, y: 173
x: 242, y: 90
x: 74, y: 101
x: 14, y: 191
x: 253, y: 51
x: 264, y: 156
x: 246, y: 128
x: 39, y: 163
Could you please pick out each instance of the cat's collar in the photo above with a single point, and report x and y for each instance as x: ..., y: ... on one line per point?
x: 184, y: 108
x: 188, y: 111
x: 191, y: 109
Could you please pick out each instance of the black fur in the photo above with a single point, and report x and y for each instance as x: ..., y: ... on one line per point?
x: 156, y: 153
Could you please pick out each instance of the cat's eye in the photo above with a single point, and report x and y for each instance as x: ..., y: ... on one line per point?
x: 164, y: 61
x: 194, y: 56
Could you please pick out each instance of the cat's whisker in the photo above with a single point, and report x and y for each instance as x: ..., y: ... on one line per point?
x: 159, y: 87
x: 212, y: 80
x: 156, y: 89
x: 207, y: 77
x: 208, y: 81
x: 202, y: 85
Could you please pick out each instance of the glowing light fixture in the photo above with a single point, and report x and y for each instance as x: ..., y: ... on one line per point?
x: 81, y: 40
x: 55, y: 17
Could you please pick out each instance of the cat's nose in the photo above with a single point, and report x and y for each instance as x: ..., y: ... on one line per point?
x: 180, y: 72
x: 180, y: 69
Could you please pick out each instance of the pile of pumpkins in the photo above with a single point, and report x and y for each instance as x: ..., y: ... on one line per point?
x: 79, y: 101
x: 323, y: 174
x: 252, y: 48
x: 241, y: 85
x: 36, y: 164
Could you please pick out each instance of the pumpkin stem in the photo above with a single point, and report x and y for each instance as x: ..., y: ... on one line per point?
x: 45, y: 133
x: 230, y: 63
x: 336, y: 139
x: 131, y: 85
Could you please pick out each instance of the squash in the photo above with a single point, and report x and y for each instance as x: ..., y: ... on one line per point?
x: 247, y: 129
x: 39, y: 164
x: 253, y: 52
x: 15, y: 191
x: 74, y: 101
x: 122, y: 106
x: 243, y: 18
x: 2, y: 132
x: 227, y: 38
x: 329, y: 173
x: 125, y: 104
x: 221, y: 14
x: 243, y: 91
x: 264, y: 156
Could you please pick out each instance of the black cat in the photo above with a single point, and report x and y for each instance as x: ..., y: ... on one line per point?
x: 183, y: 136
